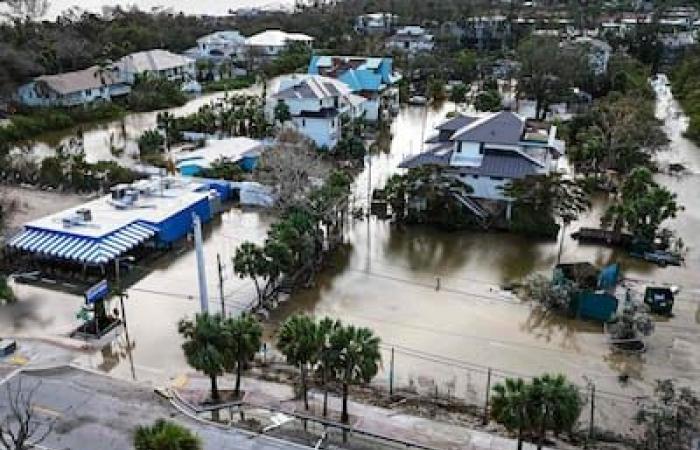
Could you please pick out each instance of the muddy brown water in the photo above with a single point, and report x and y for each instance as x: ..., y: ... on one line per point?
x: 385, y: 278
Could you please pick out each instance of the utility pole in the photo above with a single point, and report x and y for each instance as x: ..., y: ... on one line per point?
x: 121, y: 295
x: 202, y: 275
x: 591, y: 425
x: 221, y: 284
x: 391, y: 374
x: 488, y: 392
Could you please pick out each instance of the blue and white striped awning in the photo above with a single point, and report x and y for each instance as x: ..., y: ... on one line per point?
x: 82, y: 249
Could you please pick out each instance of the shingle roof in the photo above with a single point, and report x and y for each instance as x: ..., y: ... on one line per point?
x: 504, y: 127
x: 90, y: 78
x: 456, y: 123
x: 437, y: 155
x: 502, y: 164
x: 153, y: 60
x: 313, y: 87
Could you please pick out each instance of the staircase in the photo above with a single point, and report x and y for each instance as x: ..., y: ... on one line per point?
x: 482, y: 215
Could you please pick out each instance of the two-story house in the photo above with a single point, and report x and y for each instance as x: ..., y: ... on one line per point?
x: 80, y: 87
x: 316, y: 105
x: 220, y: 45
x: 376, y: 23
x: 486, y: 153
x: 411, y: 39
x: 372, y: 78
x: 157, y: 63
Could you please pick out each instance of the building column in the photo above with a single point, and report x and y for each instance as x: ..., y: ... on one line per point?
x: 509, y: 211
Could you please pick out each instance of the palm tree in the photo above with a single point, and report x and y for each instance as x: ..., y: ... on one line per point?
x: 326, y: 328
x: 205, y: 346
x: 165, y: 435
x: 243, y: 335
x: 355, y: 359
x: 556, y: 405
x: 300, y: 342
x: 509, y: 406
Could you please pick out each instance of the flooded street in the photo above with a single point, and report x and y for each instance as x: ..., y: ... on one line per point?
x: 386, y: 276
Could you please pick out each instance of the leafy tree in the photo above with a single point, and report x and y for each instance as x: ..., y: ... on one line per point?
x: 205, y: 346
x: 509, y: 406
x: 623, y: 133
x: 301, y: 342
x: 150, y: 142
x: 282, y: 113
x: 466, y: 65
x: 165, y: 435
x: 671, y: 419
x: 641, y: 207
x: 555, y: 296
x: 540, y: 200
x: 250, y: 262
x: 355, y: 359
x: 436, y: 89
x: 547, y: 71
x: 459, y: 93
x: 489, y: 100
x: 243, y: 335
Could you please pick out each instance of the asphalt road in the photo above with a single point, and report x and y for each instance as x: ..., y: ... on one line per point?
x: 94, y: 412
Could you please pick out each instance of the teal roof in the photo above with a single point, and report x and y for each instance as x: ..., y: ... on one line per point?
x: 366, y: 73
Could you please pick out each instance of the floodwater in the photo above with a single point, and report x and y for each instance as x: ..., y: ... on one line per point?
x: 386, y: 278
x: 121, y: 133
x: 195, y: 7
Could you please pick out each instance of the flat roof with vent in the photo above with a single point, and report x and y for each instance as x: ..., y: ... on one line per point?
x: 96, y: 232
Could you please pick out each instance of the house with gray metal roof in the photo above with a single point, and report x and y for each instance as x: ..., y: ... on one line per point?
x: 316, y: 104
x: 488, y: 152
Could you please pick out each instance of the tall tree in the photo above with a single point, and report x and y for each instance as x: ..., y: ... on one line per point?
x: 20, y: 428
x: 547, y: 71
x: 555, y: 405
x: 509, y: 406
x: 301, y: 343
x: 641, y: 206
x: 243, y: 336
x: 205, y: 346
x: 165, y: 435
x: 356, y: 358
x: 670, y: 419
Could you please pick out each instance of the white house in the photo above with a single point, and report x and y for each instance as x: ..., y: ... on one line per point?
x: 74, y: 88
x: 237, y: 150
x: 412, y: 39
x: 157, y: 64
x: 220, y: 45
x: 488, y: 152
x: 316, y: 104
x: 376, y: 23
x: 271, y: 42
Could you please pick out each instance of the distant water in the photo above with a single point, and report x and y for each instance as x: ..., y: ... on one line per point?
x: 209, y: 7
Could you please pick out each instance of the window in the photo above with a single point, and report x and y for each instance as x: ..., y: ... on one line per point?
x: 88, y: 91
x: 476, y: 177
x: 463, y: 175
x: 303, y: 122
x: 497, y: 178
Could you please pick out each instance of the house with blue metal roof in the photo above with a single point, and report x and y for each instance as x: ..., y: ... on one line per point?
x: 148, y: 213
x: 487, y: 152
x: 370, y: 77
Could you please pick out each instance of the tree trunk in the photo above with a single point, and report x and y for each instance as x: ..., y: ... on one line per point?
x: 214, y: 388
x: 344, y: 417
x: 325, y: 389
x: 239, y: 365
x: 520, y: 438
x: 543, y: 428
x: 304, y: 387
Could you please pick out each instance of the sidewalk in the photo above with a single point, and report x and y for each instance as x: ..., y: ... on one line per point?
x: 381, y: 421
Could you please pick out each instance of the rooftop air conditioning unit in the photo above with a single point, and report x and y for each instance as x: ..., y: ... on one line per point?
x: 85, y: 214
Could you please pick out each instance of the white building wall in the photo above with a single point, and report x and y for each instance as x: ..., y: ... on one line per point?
x: 325, y: 132
x: 466, y: 154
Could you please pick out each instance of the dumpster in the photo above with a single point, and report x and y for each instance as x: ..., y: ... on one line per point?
x: 659, y: 300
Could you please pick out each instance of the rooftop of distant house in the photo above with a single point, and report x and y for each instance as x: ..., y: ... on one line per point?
x: 308, y: 87
x: 79, y: 80
x: 277, y: 38
x: 153, y: 61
